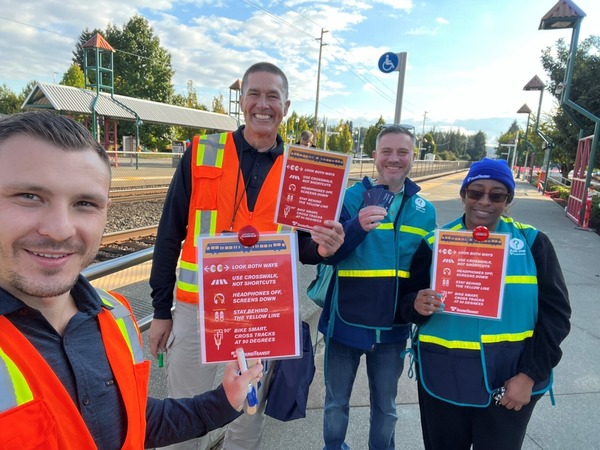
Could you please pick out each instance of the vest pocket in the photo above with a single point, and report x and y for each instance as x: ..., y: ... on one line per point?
x: 141, y: 372
x: 501, y: 361
x: 28, y: 427
x: 367, y: 303
x: 207, y: 180
x: 454, y: 375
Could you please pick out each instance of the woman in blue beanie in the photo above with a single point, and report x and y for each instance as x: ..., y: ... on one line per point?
x: 479, y: 379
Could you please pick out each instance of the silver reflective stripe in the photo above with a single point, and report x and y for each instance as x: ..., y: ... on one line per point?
x: 120, y: 312
x: 188, y: 276
x: 206, y: 222
x: 8, y: 398
x: 136, y: 348
x: 212, y: 144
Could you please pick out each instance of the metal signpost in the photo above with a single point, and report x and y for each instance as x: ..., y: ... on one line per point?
x: 392, y: 62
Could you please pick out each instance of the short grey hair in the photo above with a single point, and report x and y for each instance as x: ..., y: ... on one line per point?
x: 266, y: 67
x: 396, y: 129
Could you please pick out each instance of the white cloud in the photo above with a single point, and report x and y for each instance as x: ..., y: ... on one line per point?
x: 456, y: 73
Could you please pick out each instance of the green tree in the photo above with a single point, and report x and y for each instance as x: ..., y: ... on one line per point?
x: 371, y: 137
x: 10, y: 102
x: 142, y: 66
x: 73, y: 77
x: 428, y: 145
x: 585, y: 92
x: 218, y: 105
x: 478, y: 151
x: 507, y: 138
x: 142, y: 69
x: 190, y: 100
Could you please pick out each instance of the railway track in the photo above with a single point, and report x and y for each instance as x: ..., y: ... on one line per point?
x: 138, y: 195
x: 128, y: 235
x: 121, y: 243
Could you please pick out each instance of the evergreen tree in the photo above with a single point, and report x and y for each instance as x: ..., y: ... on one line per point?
x: 73, y: 77
x: 585, y: 92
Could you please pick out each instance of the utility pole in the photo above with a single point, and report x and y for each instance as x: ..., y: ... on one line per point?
x: 515, y: 152
x: 316, y: 126
x: 422, y: 136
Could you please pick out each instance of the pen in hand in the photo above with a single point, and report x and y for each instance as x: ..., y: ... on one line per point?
x: 251, y: 398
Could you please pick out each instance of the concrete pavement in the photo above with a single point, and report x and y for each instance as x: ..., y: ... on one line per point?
x: 571, y: 425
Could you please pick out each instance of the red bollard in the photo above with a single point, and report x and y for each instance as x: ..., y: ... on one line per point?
x: 588, y: 211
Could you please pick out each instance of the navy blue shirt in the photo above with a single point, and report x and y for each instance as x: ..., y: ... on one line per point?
x: 79, y: 361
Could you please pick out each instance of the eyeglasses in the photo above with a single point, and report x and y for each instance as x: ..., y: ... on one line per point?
x: 495, y: 197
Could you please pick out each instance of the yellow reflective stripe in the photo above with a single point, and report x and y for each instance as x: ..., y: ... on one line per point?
x: 221, y: 151
x: 465, y: 345
x: 213, y: 223
x: 187, y: 287
x: 413, y: 230
x: 127, y: 326
x: 123, y: 328
x: 506, y: 337
x: 431, y: 239
x: 210, y: 152
x: 386, y: 226
x: 367, y: 273
x: 188, y: 265
x: 485, y: 339
x: 521, y: 279
x: 23, y: 393
x: 458, y: 226
x: 373, y: 273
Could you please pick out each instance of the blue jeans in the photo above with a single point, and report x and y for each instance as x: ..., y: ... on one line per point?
x: 384, y: 367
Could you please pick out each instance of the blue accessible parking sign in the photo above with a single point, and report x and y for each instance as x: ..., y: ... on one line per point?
x: 388, y: 62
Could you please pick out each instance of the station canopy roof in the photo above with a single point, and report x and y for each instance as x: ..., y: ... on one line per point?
x: 71, y: 100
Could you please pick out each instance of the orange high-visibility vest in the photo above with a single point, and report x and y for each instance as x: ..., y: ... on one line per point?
x: 36, y: 411
x: 215, y: 172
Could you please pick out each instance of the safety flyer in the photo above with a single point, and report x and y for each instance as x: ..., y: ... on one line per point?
x: 248, y: 297
x: 312, y: 187
x: 469, y: 273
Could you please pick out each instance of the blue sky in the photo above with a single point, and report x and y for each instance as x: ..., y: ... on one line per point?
x: 468, y: 60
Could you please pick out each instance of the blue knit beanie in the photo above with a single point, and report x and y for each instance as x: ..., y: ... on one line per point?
x: 490, y: 169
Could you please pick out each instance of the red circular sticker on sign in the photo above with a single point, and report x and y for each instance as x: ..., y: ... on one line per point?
x: 481, y: 233
x: 248, y: 236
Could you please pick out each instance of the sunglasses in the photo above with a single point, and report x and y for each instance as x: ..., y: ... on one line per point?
x: 495, y: 197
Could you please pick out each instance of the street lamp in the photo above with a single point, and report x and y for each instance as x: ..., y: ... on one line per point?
x: 535, y: 84
x: 525, y: 110
x: 565, y: 14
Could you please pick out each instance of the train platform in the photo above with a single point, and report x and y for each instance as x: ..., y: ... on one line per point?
x: 570, y: 425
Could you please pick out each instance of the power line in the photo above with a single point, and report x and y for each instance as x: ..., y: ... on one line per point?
x: 347, y: 64
x: 335, y: 56
x: 342, y: 60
